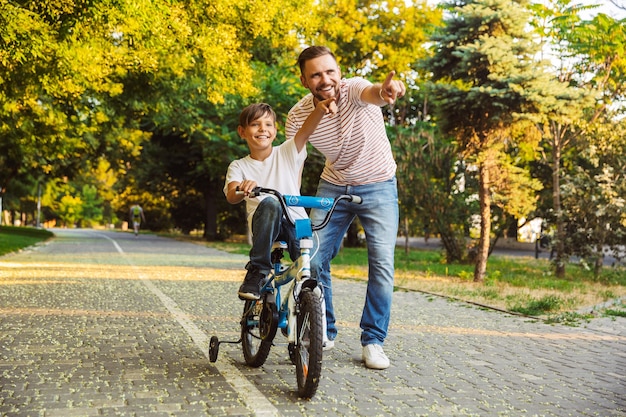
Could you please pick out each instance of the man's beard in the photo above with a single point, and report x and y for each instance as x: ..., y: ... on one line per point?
x: 320, y: 97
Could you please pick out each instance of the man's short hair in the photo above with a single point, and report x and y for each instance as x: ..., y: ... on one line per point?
x: 313, y: 52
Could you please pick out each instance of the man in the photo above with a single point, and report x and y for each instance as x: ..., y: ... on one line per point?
x: 358, y: 161
x: 136, y: 216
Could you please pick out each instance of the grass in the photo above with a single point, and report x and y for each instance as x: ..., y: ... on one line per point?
x: 13, y: 239
x: 521, y: 285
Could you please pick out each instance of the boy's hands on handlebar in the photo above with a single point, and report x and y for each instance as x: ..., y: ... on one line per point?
x: 236, y: 193
x: 245, y: 187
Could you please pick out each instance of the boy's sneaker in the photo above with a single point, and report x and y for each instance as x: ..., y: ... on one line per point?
x: 251, y: 287
x: 374, y: 357
x: 328, y: 344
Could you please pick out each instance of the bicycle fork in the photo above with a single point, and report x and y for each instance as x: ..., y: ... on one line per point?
x: 302, y: 282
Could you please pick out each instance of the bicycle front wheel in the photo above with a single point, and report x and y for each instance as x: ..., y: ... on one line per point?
x: 256, y: 332
x: 309, y: 343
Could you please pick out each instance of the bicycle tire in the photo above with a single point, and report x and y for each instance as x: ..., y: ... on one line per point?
x: 256, y: 338
x: 309, y: 344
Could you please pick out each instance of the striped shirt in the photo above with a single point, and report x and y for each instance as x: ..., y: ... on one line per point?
x: 354, y: 141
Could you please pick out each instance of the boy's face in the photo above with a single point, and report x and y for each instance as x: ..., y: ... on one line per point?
x: 321, y: 76
x: 260, y: 133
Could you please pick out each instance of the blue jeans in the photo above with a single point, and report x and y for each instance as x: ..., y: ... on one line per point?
x: 379, y: 217
x: 269, y: 225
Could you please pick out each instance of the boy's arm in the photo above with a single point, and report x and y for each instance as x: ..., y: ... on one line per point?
x: 328, y: 106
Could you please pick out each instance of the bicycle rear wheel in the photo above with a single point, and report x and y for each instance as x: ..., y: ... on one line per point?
x: 308, y: 353
x: 258, y: 329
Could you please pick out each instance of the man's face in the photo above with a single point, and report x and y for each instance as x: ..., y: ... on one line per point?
x: 321, y: 76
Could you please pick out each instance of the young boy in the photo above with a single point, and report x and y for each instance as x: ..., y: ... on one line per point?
x: 277, y: 167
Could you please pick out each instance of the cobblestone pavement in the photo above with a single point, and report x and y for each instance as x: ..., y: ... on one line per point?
x: 100, y: 323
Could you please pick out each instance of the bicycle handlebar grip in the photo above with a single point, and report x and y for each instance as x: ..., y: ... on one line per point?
x: 254, y: 193
x: 356, y: 199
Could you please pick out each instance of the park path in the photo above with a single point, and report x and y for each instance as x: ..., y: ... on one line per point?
x: 97, y: 323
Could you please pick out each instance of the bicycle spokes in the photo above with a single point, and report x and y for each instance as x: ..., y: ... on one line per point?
x: 309, y: 344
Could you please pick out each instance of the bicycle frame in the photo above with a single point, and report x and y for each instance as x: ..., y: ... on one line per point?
x: 297, y: 274
x: 299, y: 311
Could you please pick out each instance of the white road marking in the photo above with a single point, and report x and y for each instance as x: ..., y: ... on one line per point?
x: 253, y: 398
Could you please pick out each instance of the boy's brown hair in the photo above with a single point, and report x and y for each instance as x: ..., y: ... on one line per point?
x: 255, y: 111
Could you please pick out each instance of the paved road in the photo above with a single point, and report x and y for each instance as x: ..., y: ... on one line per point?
x: 105, y: 324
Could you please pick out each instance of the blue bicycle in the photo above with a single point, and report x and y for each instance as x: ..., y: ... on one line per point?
x: 298, y: 309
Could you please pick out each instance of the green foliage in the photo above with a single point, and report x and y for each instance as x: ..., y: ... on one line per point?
x: 569, y: 319
x: 83, y: 80
x: 70, y: 210
x: 375, y: 37
x: 594, y: 198
x: 91, y: 210
x: 614, y: 313
x: 431, y: 196
x: 486, y: 80
x: 16, y: 238
x: 139, y: 100
x: 77, y: 203
x: 593, y: 64
x: 537, y: 307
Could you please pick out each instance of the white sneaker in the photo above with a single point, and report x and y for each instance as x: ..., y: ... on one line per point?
x: 374, y: 357
x: 328, y: 344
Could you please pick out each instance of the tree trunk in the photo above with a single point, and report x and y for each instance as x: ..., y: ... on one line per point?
x: 352, y: 236
x: 454, y: 248
x: 484, y: 199
x: 406, y: 236
x: 556, y: 203
x: 597, y: 269
x: 210, y: 224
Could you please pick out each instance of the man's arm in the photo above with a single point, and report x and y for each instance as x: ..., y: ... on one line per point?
x: 328, y: 106
x: 386, y: 93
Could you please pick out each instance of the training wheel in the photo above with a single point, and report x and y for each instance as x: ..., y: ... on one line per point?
x: 292, y: 352
x: 214, y: 348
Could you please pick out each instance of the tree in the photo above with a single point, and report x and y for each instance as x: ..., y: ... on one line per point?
x: 91, y: 211
x: 592, y: 61
x: 375, y: 37
x: 487, y: 81
x: 83, y: 80
x: 431, y: 187
x: 370, y: 39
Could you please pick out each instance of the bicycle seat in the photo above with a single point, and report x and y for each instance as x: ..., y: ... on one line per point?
x: 279, y: 244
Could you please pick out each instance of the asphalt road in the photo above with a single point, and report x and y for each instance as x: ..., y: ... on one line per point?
x: 98, y: 323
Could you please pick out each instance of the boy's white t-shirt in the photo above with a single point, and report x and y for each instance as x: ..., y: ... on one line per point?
x: 281, y: 171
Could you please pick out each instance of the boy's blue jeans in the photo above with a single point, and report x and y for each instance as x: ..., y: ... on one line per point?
x: 268, y: 226
x: 378, y: 214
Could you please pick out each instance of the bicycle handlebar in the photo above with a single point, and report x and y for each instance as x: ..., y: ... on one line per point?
x: 323, y: 203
